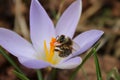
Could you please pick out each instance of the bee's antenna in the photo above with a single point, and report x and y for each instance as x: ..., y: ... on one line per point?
x: 57, y: 36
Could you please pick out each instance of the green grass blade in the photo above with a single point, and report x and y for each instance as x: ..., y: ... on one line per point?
x: 84, y: 73
x: 20, y: 75
x: 98, y: 71
x: 39, y: 74
x: 84, y: 60
x: 114, y: 74
x: 109, y: 75
x: 10, y: 60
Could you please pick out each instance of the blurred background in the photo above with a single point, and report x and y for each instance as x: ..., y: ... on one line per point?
x: 96, y: 14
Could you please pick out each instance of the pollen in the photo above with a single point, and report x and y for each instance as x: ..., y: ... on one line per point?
x: 50, y: 52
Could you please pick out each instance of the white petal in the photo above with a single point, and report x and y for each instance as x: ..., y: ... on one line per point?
x: 69, y: 64
x: 87, y: 39
x: 68, y: 21
x: 15, y: 44
x: 33, y: 63
x: 41, y: 27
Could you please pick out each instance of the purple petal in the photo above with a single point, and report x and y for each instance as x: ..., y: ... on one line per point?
x: 68, y: 21
x: 15, y: 44
x: 33, y: 63
x: 69, y: 64
x: 87, y: 39
x: 41, y: 27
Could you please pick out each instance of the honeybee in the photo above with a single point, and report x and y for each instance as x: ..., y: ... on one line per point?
x: 64, y: 46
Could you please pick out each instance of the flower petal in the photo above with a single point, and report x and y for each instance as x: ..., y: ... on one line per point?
x: 41, y: 27
x: 33, y: 63
x: 15, y: 44
x: 69, y: 64
x: 68, y: 21
x: 87, y: 39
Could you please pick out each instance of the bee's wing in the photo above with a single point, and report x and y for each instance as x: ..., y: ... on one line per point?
x: 75, y: 46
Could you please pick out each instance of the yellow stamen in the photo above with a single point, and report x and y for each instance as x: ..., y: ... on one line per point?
x: 49, y: 56
x: 46, y: 49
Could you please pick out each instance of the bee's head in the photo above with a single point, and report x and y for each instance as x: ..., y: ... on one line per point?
x: 61, y: 39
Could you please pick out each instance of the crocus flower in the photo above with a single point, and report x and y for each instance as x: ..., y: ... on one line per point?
x: 40, y: 52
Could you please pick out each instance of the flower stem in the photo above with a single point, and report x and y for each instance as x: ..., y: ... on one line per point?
x: 39, y: 74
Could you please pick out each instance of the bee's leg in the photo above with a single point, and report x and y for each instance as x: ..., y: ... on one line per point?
x: 58, y: 46
x: 56, y: 50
